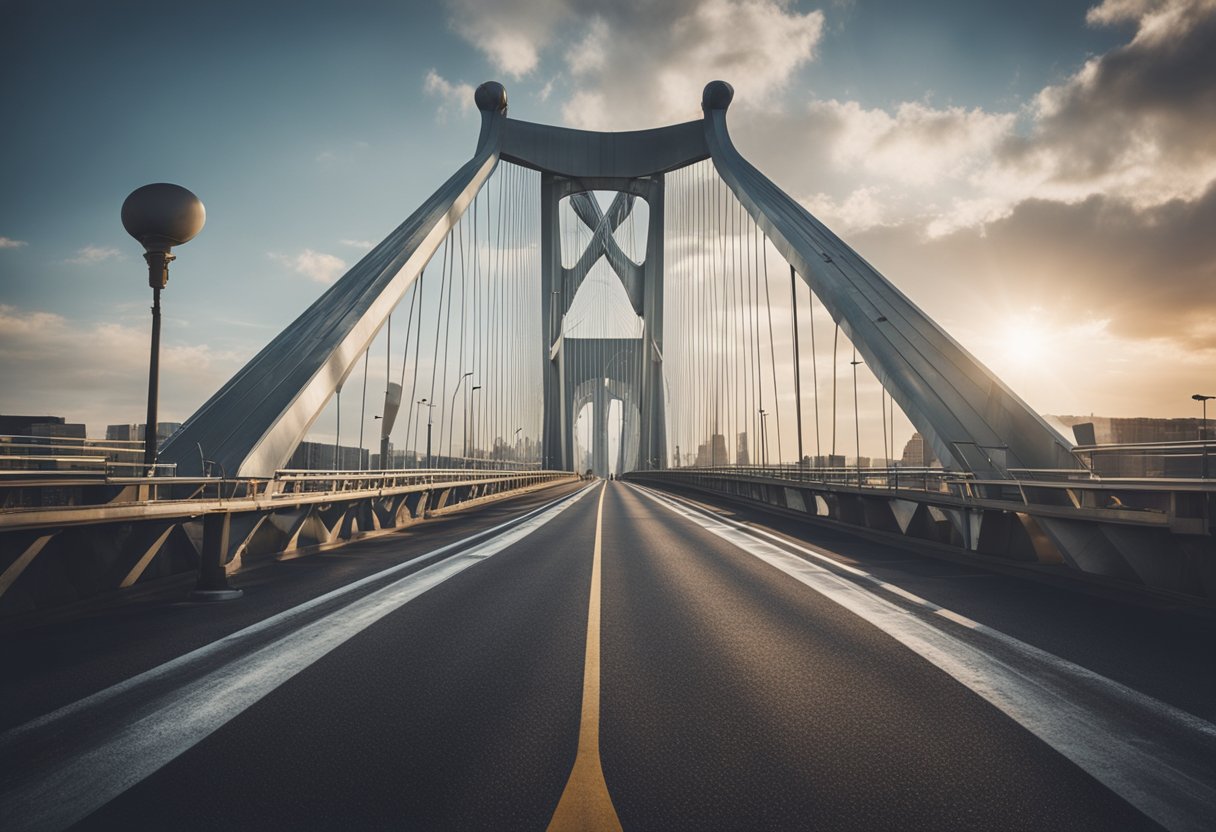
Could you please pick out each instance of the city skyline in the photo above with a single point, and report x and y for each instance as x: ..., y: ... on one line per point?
x: 981, y: 194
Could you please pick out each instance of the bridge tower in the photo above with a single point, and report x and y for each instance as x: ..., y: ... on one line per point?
x: 599, y: 371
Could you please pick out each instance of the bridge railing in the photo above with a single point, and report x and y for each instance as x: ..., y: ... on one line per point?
x: 299, y: 480
x: 896, y: 477
x: 95, y: 484
x: 1176, y: 501
x: 1187, y: 459
x: 67, y: 457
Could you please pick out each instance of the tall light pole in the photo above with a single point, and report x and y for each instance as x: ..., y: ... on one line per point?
x: 467, y: 415
x: 763, y: 437
x: 1203, y: 428
x: 421, y: 404
x: 515, y: 444
x: 473, y: 414
x: 160, y: 216
x: 452, y: 410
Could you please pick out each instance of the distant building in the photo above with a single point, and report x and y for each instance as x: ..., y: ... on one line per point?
x: 55, y: 426
x: 1113, y: 430
x: 396, y: 460
x: 1108, y: 430
x: 135, y: 432
x: 319, y: 456
x: 742, y: 457
x: 58, y: 430
x: 712, y: 452
x: 918, y: 453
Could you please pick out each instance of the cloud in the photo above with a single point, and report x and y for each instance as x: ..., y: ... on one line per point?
x: 509, y: 33
x: 365, y: 245
x: 637, y: 67
x: 98, y: 373
x: 660, y: 62
x: 1148, y: 273
x: 315, y: 265
x: 8, y: 242
x: 1136, y: 122
x: 91, y: 255
x: 452, y: 97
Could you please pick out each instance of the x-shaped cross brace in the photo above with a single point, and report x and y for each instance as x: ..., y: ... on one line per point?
x: 603, y: 244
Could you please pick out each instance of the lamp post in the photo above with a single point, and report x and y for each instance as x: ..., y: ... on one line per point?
x: 160, y: 216
x: 473, y: 415
x: 424, y: 403
x: 763, y: 437
x: 469, y: 411
x: 1203, y: 428
x: 452, y: 410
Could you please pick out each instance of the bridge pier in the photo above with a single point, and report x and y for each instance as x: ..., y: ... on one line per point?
x: 212, y: 564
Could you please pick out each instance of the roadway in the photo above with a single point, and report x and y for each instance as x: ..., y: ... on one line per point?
x: 611, y: 655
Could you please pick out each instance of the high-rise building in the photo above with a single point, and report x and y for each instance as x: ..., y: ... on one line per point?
x: 917, y: 453
x: 50, y: 426
x: 319, y: 456
x: 713, y: 452
x: 135, y: 432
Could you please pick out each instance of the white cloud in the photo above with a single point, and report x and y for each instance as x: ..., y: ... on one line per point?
x: 660, y: 62
x: 916, y: 144
x: 456, y: 97
x: 365, y: 245
x: 641, y: 66
x: 98, y: 373
x: 8, y: 242
x: 315, y: 265
x: 90, y: 255
x: 866, y: 207
x: 509, y: 33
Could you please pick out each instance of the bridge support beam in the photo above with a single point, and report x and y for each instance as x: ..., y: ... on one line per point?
x: 212, y: 573
x: 564, y: 372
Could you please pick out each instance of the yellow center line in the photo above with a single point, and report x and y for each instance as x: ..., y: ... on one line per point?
x: 585, y: 803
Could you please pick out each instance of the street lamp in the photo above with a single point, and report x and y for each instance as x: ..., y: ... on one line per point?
x: 421, y: 404
x: 515, y: 443
x: 467, y: 416
x: 763, y: 437
x: 473, y: 414
x: 1203, y: 428
x: 452, y: 410
x: 159, y: 216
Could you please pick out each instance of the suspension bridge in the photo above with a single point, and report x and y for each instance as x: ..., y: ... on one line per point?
x: 770, y: 622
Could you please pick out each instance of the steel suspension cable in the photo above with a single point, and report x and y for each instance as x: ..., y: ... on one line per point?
x: 772, y: 352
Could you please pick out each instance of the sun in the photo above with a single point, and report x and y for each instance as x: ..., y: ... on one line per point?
x: 1025, y: 342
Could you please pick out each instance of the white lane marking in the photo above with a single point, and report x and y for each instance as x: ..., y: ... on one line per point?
x: 69, y: 789
x: 1156, y: 757
x: 197, y: 656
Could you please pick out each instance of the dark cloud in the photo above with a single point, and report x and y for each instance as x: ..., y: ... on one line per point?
x: 1151, y: 273
x: 1149, y: 101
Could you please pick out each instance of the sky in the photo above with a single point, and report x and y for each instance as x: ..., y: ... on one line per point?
x: 1039, y: 176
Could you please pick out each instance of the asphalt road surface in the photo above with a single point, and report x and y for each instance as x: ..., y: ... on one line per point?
x: 611, y: 657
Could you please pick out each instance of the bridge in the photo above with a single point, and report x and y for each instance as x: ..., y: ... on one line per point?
x: 629, y: 576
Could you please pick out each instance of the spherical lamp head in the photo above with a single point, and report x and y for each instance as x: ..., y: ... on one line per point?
x: 162, y: 216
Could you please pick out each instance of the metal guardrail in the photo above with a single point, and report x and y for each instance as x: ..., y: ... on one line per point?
x: 898, y: 477
x: 1178, y: 502
x: 285, y: 487
x: 61, y: 456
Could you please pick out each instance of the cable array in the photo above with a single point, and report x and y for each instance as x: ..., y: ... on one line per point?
x: 467, y: 345
x: 734, y: 362
x: 743, y: 336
